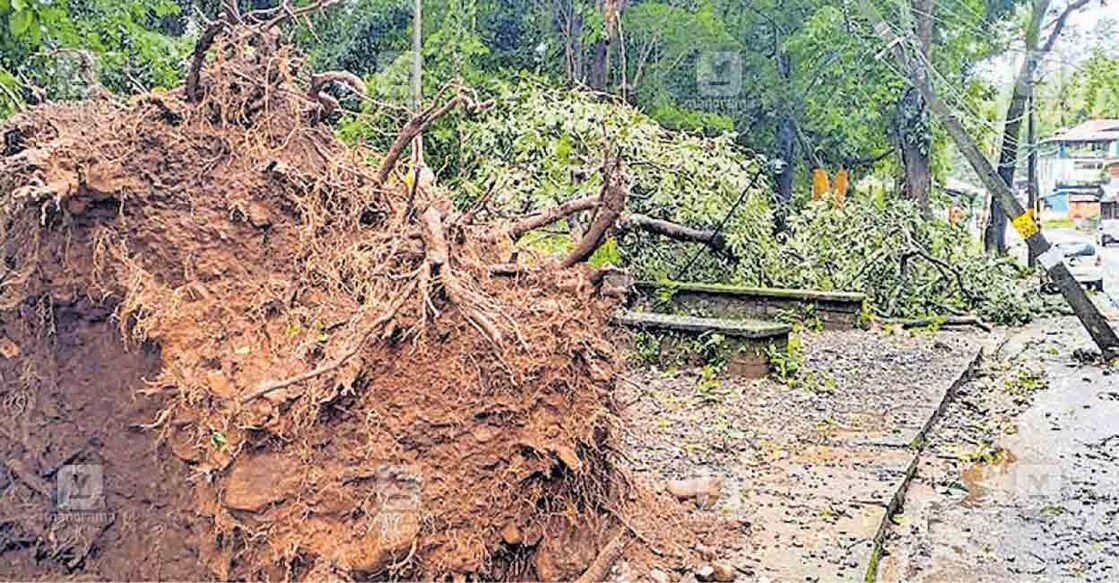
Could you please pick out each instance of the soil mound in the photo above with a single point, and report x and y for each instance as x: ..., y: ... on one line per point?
x: 321, y: 343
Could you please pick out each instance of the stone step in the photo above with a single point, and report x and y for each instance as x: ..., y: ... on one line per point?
x: 738, y: 328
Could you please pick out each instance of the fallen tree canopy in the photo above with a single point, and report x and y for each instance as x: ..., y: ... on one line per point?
x: 908, y: 266
x: 354, y: 393
x: 699, y: 209
x: 536, y: 159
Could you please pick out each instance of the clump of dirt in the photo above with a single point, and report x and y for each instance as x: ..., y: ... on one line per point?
x: 351, y: 393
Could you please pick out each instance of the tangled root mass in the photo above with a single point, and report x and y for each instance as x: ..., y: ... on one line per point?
x: 354, y: 394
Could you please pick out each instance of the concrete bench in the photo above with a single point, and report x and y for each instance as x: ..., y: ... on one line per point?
x: 745, y: 341
x: 836, y: 310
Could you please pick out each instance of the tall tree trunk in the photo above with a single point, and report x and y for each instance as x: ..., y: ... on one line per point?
x: 601, y: 63
x: 914, y: 136
x: 994, y: 235
x: 786, y: 137
x: 914, y: 144
x: 786, y: 148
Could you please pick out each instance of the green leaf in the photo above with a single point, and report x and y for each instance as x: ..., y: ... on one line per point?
x: 20, y: 22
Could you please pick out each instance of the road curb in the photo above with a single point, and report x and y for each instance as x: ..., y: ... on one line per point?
x: 918, y: 446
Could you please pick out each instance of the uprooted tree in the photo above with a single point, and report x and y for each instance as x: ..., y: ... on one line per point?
x: 345, y: 364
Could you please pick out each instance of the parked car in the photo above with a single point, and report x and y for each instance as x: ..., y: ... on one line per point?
x: 1109, y: 232
x: 1083, y: 261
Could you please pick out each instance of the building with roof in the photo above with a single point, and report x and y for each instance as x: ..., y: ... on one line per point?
x: 1109, y: 199
x: 1075, y: 168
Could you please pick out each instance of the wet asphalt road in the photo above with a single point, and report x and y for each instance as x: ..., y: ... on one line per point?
x: 1109, y: 254
x: 1041, y: 502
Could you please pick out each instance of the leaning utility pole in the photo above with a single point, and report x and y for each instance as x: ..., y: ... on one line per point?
x: 1031, y: 163
x: 1050, y: 258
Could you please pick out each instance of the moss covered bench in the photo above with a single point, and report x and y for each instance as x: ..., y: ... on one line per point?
x: 742, y: 343
x: 831, y: 310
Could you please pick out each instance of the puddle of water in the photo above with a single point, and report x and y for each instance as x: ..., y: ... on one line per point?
x: 983, y: 478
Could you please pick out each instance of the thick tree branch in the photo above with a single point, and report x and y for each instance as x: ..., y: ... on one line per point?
x: 712, y: 238
x: 546, y: 217
x: 1060, y: 22
x: 416, y: 126
x: 615, y: 191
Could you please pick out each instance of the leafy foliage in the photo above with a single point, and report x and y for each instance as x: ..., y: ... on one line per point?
x: 906, y: 265
x: 543, y: 145
x: 48, y: 44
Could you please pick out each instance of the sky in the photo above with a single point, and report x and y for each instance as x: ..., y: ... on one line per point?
x: 1094, y: 27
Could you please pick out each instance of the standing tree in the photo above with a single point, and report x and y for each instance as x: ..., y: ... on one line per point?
x: 994, y: 234
x: 914, y: 136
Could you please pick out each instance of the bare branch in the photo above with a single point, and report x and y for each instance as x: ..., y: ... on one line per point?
x: 545, y: 218
x: 711, y: 238
x: 1059, y: 23
x: 419, y: 124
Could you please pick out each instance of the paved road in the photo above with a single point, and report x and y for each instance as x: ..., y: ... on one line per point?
x: 1110, y: 254
x: 1021, y: 479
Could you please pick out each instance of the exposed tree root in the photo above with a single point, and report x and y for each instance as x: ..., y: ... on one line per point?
x: 374, y: 328
x: 607, y: 556
x: 488, y: 398
x: 615, y: 191
x: 198, y: 58
x: 470, y: 302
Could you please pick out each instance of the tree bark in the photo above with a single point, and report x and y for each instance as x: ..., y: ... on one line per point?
x: 615, y: 191
x: 549, y: 216
x: 994, y: 235
x: 1098, y: 328
x: 713, y: 239
x: 914, y: 144
x: 786, y: 148
x: 913, y: 134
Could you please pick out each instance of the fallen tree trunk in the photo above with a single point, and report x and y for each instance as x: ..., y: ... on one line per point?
x: 941, y: 321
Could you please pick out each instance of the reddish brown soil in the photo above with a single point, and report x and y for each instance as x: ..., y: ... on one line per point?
x: 169, y: 262
x: 81, y: 407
